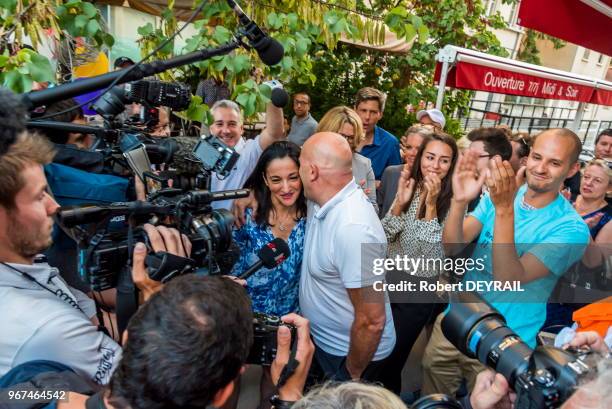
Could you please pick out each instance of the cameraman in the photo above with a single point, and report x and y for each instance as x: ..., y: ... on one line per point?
x: 185, y: 348
x: 228, y: 127
x: 42, y: 316
x: 492, y: 391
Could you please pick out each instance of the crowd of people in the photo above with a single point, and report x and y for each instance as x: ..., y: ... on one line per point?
x: 343, y: 193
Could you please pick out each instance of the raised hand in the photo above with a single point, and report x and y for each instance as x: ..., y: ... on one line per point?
x: 467, y: 183
x: 405, y: 188
x: 432, y: 185
x: 501, y: 182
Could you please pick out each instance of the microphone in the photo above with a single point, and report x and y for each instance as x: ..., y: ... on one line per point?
x: 204, y: 197
x: 270, y: 256
x: 74, y: 216
x: 270, y: 51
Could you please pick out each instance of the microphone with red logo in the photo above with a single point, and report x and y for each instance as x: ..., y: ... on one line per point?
x: 270, y: 256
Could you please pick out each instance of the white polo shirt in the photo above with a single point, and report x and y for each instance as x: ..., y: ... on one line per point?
x: 37, y: 324
x: 250, y: 151
x: 341, y: 236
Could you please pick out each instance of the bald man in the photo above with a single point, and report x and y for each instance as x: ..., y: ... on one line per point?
x: 351, y: 324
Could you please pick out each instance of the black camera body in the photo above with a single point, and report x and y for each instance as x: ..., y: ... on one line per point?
x: 105, y: 256
x: 215, y: 155
x: 265, y: 328
x: 149, y: 93
x: 542, y: 378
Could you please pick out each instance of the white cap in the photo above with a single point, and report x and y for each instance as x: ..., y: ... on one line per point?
x: 435, y: 114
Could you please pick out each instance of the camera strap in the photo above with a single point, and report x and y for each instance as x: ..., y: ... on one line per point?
x: 290, y: 368
x: 127, y: 293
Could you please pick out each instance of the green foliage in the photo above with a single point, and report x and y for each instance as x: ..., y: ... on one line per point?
x: 304, y: 28
x: 38, y: 19
x: 406, y: 79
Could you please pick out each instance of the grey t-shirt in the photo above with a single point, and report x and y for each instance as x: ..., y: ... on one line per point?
x: 302, y: 129
x: 37, y: 324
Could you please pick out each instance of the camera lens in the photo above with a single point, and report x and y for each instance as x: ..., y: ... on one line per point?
x: 479, y: 331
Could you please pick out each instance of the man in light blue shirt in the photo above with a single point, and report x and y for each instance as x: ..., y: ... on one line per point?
x: 529, y: 234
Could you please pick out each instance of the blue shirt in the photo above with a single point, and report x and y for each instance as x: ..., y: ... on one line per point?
x: 555, y: 234
x: 272, y: 291
x: 383, y: 151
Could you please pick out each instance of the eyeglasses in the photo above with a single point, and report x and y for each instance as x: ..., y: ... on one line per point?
x: 350, y: 137
x: 297, y: 102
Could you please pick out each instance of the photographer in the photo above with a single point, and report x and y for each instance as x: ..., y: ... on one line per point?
x: 46, y: 318
x: 185, y: 348
x: 492, y: 390
x: 228, y: 127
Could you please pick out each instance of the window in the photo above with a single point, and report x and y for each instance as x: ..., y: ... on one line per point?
x: 586, y: 55
x: 600, y: 59
x: 512, y: 16
x: 490, y: 7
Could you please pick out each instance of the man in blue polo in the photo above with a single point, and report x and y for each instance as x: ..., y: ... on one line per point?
x: 381, y: 147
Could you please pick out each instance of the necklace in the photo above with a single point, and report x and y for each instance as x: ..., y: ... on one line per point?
x: 284, y: 225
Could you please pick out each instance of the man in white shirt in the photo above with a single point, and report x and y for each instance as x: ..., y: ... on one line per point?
x: 228, y: 127
x: 352, y: 327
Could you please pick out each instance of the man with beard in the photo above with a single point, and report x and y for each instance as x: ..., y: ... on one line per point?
x: 525, y: 233
x: 42, y: 317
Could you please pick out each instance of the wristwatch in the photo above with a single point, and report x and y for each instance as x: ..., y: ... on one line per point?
x: 278, y: 403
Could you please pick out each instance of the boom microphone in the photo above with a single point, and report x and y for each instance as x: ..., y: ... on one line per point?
x: 270, y: 51
x: 270, y: 256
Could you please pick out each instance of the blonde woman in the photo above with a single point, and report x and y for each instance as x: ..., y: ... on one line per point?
x: 344, y: 121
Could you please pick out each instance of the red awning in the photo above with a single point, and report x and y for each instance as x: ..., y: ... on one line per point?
x: 483, y: 72
x: 584, y: 22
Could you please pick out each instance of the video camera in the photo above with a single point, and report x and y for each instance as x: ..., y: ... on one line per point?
x: 146, y: 92
x: 542, y: 378
x: 103, y: 254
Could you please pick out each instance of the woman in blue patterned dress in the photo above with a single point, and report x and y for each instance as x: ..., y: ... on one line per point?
x: 276, y: 184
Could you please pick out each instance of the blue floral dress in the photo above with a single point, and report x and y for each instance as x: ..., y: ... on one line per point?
x: 273, y: 291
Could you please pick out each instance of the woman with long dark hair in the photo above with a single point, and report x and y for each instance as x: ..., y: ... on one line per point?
x: 281, y: 213
x: 276, y: 185
x: 414, y: 226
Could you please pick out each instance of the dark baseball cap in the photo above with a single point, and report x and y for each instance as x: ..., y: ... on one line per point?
x: 122, y: 61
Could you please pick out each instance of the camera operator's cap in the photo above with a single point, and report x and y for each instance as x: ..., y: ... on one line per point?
x: 435, y: 114
x: 123, y: 61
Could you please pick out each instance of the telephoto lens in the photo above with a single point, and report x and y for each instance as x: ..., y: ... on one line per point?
x: 480, y: 332
x: 542, y: 378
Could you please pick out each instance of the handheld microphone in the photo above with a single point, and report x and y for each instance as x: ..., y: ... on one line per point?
x: 270, y: 256
x: 270, y: 51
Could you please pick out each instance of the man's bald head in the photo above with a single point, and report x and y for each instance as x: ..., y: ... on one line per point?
x: 329, y: 151
x: 325, y: 166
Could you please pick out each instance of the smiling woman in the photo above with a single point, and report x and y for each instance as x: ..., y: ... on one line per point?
x: 413, y: 227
